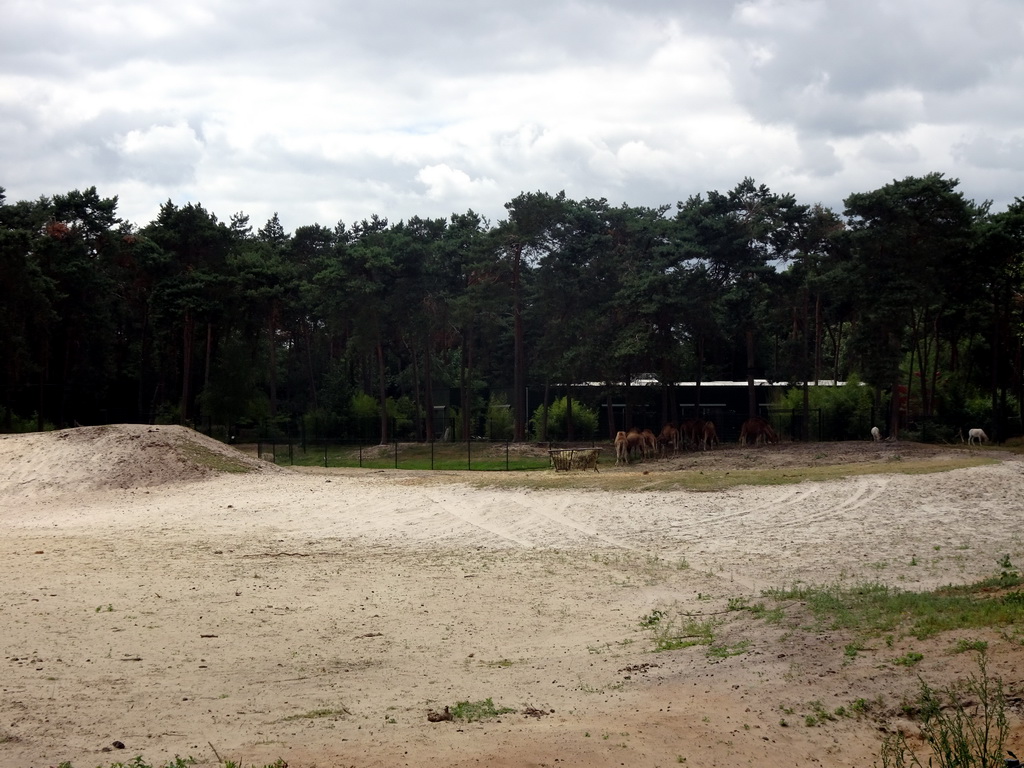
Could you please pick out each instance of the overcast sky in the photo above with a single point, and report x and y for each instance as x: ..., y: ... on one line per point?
x: 328, y: 110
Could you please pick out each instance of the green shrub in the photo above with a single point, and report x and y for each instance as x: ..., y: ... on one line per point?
x: 584, y: 421
x: 846, y: 408
x: 499, y: 418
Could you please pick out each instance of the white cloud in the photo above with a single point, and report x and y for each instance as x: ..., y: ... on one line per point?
x: 445, y: 183
x: 337, y: 110
x: 161, y: 154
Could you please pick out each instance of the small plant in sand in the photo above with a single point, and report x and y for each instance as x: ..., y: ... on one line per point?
x: 484, y: 709
x: 908, y: 660
x: 964, y: 726
x: 672, y: 633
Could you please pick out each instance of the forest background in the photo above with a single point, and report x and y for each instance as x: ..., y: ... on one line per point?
x: 914, y: 297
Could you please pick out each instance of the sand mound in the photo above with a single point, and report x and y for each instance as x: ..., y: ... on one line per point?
x: 113, y: 456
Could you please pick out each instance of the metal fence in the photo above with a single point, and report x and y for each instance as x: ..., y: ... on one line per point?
x: 480, y: 455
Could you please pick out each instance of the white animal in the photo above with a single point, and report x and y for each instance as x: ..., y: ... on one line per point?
x: 976, y: 434
x: 876, y: 434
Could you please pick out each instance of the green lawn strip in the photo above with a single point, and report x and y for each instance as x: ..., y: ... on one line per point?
x: 873, y: 609
x: 716, y: 480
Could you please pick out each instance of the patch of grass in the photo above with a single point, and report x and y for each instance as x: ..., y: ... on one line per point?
x: 860, y: 707
x: 875, y: 609
x: 673, y: 633
x: 652, y: 619
x: 970, y: 645
x: 725, y: 651
x: 758, y: 610
x: 478, y: 710
x: 204, y: 457
x: 818, y: 714
x: 714, y: 480
x: 908, y: 659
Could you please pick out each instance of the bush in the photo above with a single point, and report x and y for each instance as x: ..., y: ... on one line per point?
x: 499, y: 418
x: 584, y: 421
x: 964, y: 726
x: 847, y: 409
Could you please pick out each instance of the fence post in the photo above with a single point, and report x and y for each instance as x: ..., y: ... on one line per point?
x: 469, y: 453
x: 431, y: 454
x: 396, y: 454
x: 506, y: 455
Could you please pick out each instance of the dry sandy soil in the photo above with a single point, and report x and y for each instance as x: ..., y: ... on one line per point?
x: 318, y: 616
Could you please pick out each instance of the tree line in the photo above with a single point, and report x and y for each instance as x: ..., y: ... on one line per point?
x: 913, y: 290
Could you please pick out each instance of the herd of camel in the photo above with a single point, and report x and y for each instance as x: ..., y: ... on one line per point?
x: 692, y: 434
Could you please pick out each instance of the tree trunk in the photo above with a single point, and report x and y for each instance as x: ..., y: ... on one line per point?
x: 382, y: 393
x: 519, y: 352
x: 272, y: 337
x: 206, y: 376
x: 570, y: 428
x: 817, y: 339
x: 751, y: 389
x: 428, y: 386
x: 186, y: 366
x: 700, y: 375
x: 544, y: 411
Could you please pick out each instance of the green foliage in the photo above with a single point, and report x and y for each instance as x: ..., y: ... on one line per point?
x: 847, y: 408
x: 189, y: 320
x: 908, y: 659
x: 478, y: 710
x: 652, y: 619
x: 28, y: 424
x: 964, y: 725
x: 873, y: 609
x: 402, y: 413
x: 499, y: 418
x: 671, y: 633
x: 364, y: 406
x: 584, y: 421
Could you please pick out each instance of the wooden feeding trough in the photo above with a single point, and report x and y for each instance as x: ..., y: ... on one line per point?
x: 564, y: 459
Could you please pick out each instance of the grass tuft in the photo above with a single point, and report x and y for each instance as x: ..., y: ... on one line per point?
x: 478, y: 710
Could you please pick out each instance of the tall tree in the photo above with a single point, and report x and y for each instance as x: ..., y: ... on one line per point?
x: 909, y: 244
x: 522, y: 239
x: 190, y: 295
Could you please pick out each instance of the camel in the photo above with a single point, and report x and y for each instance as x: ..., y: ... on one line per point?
x: 692, y: 432
x: 759, y: 430
x: 669, y: 437
x: 634, y: 443
x: 710, y: 436
x: 621, y: 448
x: 650, y: 444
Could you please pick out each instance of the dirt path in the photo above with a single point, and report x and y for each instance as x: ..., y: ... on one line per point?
x: 319, y: 616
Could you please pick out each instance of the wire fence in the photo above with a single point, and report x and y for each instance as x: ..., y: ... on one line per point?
x: 481, y: 455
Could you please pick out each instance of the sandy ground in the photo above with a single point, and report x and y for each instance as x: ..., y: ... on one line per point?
x: 318, y: 616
